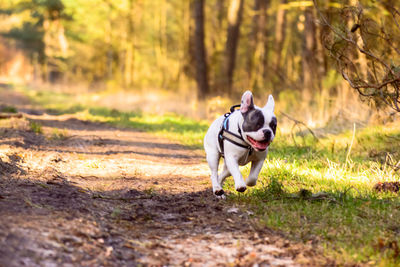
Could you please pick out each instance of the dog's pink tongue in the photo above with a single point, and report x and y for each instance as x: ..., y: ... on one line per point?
x: 260, y: 145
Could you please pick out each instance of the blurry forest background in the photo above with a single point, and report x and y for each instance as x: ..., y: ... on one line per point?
x: 317, y: 62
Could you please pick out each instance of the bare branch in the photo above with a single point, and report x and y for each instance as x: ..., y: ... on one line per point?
x: 393, y: 11
x: 375, y: 77
x: 296, y: 122
x: 349, y: 40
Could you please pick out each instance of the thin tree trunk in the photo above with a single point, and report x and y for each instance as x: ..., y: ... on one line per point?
x: 220, y: 6
x: 309, y: 50
x: 265, y: 39
x: 234, y: 20
x: 200, y: 50
x: 309, y: 65
x: 108, y: 40
x: 258, y: 56
x: 130, y: 42
x: 216, y: 48
x: 253, y: 39
x: 280, y: 33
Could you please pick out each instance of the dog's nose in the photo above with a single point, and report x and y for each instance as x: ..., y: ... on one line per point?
x: 267, y: 134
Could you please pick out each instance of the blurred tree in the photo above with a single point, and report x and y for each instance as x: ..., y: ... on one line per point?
x: 200, y: 50
x: 257, y: 62
x: 309, y: 56
x: 280, y: 33
x: 235, y: 12
x: 42, y: 34
x: 138, y: 44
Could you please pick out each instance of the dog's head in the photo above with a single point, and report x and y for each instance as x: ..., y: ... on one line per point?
x: 259, y: 124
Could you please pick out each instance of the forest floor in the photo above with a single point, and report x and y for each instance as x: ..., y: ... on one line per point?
x: 75, y: 192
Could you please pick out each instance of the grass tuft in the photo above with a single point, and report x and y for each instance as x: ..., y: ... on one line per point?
x: 8, y: 109
x: 36, y: 127
x: 58, y: 134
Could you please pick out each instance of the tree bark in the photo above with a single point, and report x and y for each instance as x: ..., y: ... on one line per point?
x: 265, y: 32
x: 200, y: 50
x: 309, y: 49
x: 253, y: 39
x: 234, y: 20
x: 280, y: 33
x: 258, y: 46
x: 308, y: 58
x: 220, y: 7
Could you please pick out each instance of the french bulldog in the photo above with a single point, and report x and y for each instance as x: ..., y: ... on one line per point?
x: 249, y: 132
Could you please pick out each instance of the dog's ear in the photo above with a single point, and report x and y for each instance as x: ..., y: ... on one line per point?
x: 247, y: 102
x: 270, y: 106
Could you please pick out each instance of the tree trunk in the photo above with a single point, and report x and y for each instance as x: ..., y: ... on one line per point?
x: 309, y: 65
x: 265, y: 39
x: 130, y: 42
x: 234, y: 20
x: 309, y: 51
x: 253, y: 39
x: 257, y: 59
x: 220, y: 7
x: 280, y: 33
x: 200, y: 50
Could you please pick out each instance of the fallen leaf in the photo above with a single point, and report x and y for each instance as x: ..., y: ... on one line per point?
x: 108, y: 251
x: 233, y: 210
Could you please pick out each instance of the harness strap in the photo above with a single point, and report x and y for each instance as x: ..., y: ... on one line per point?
x: 235, y: 139
x: 232, y: 109
x: 225, y: 134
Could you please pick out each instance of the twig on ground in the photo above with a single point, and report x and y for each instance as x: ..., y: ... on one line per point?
x: 94, y: 196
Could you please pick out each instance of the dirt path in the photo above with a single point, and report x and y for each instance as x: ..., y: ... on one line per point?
x: 88, y: 194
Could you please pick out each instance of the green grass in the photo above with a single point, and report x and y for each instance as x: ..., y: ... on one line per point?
x: 319, y: 192
x: 178, y: 128
x: 184, y: 130
x: 58, y: 134
x: 313, y: 195
x: 36, y: 127
x: 8, y: 109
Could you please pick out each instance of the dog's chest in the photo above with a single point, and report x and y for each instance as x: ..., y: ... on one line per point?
x: 248, y: 156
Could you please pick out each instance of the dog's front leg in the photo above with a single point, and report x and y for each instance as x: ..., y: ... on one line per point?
x: 233, y: 167
x: 254, y: 171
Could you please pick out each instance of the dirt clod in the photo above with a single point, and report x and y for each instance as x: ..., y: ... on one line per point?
x: 387, y: 187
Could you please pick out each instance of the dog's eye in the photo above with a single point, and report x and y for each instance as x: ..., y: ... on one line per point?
x: 273, y: 124
x: 258, y: 121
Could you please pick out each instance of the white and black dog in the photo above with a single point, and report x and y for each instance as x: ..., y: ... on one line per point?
x: 240, y: 137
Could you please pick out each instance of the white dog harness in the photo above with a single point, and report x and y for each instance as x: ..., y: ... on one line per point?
x: 225, y: 134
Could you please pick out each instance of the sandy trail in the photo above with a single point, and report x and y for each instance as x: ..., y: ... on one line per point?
x: 88, y: 194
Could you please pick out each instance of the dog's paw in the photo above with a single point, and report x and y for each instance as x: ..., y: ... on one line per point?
x: 251, y: 182
x: 241, y: 189
x: 219, y: 192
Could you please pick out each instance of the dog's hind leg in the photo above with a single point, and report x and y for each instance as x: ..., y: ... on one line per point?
x: 223, y: 175
x: 213, y: 162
